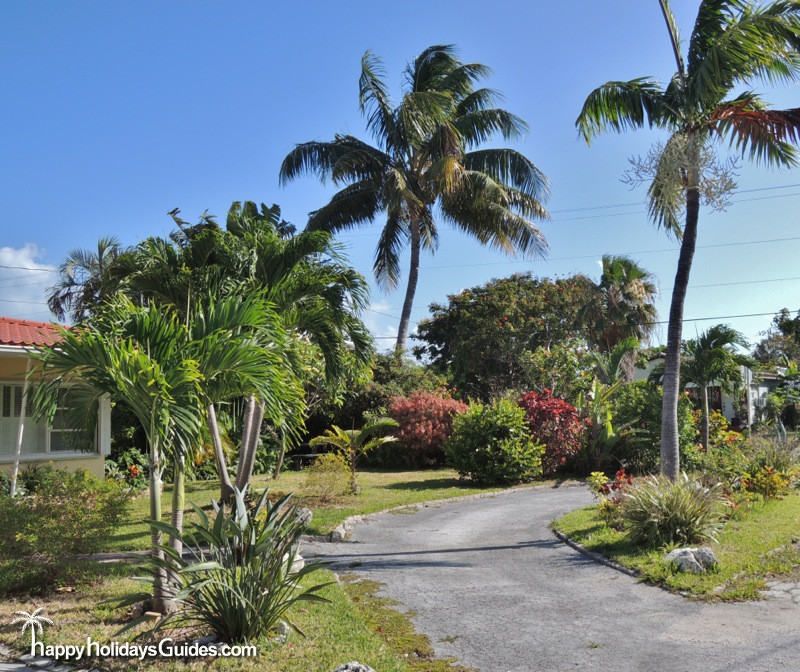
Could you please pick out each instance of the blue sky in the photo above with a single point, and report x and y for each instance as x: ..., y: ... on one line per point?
x: 112, y: 114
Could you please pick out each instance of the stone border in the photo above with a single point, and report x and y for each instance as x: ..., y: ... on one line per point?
x: 597, y: 557
x: 343, y: 531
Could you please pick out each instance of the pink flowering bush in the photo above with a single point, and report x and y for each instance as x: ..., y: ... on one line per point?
x: 425, y: 422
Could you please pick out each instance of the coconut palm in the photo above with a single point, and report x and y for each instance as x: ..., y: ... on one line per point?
x: 354, y: 443
x: 426, y: 158
x: 33, y: 621
x: 623, y: 303
x: 86, y: 279
x: 733, y: 43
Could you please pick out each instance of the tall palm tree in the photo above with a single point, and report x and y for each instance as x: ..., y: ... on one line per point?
x: 426, y: 158
x: 733, y: 42
x: 711, y: 358
x: 86, y: 279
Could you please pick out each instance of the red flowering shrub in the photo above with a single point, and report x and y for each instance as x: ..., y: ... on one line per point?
x: 426, y: 422
x: 555, y: 424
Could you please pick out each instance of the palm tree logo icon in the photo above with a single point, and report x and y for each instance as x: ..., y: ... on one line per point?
x: 32, y: 621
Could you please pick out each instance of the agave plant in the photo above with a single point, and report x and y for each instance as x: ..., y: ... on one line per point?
x: 241, y: 575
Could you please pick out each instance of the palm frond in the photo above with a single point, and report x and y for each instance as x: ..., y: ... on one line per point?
x: 620, y: 106
x: 512, y: 168
x: 356, y: 204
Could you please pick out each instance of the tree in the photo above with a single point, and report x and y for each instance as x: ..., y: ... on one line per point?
x: 621, y: 308
x: 304, y: 277
x: 732, y: 43
x: 781, y: 343
x: 355, y: 443
x: 480, y: 339
x: 135, y: 355
x: 712, y: 358
x: 165, y: 370
x: 86, y: 279
x: 427, y: 158
x: 33, y: 621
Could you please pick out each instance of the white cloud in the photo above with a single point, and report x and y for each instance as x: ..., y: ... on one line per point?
x: 23, y: 283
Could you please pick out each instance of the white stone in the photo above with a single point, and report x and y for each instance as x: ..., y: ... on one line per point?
x: 354, y: 666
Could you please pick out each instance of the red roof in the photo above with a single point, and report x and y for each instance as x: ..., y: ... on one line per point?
x: 27, y: 332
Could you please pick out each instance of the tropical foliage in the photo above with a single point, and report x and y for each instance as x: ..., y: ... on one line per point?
x: 424, y: 423
x: 355, y: 443
x: 556, y: 425
x: 427, y: 159
x: 243, y: 575
x: 483, y: 336
x: 491, y: 444
x: 733, y: 43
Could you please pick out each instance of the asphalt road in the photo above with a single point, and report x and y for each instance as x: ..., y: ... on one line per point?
x: 492, y: 587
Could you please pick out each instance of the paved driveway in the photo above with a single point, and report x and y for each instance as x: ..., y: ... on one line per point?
x: 492, y: 587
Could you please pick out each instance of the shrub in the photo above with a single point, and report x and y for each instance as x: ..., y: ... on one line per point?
x: 637, y: 406
x: 328, y: 478
x: 67, y: 514
x: 425, y: 422
x: 246, y: 578
x: 657, y: 511
x: 556, y: 425
x: 491, y: 444
x: 609, y: 493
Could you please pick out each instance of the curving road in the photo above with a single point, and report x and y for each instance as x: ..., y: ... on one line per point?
x: 492, y: 587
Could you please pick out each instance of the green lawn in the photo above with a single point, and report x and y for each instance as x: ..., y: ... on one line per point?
x: 746, y: 550
x: 354, y: 626
x: 381, y: 490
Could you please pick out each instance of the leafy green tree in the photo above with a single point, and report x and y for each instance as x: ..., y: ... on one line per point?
x: 427, y: 158
x: 565, y: 368
x: 733, y: 43
x: 781, y: 343
x: 355, y: 443
x: 480, y: 336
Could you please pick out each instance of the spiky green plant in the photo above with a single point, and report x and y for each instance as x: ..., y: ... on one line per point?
x: 240, y: 579
x: 658, y: 511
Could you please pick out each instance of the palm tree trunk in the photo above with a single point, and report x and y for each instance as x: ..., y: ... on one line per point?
x: 281, y: 454
x: 248, y: 457
x: 705, y: 418
x: 160, y: 579
x: 226, y: 489
x: 670, y: 450
x: 411, y: 289
x: 178, y: 499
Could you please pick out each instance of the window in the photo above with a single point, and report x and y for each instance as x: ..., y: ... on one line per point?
x: 37, y: 439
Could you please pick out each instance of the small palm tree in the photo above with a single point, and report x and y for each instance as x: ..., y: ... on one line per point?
x: 712, y: 358
x: 86, y: 279
x: 733, y: 43
x: 427, y: 159
x: 610, y: 368
x: 353, y: 443
x: 33, y: 621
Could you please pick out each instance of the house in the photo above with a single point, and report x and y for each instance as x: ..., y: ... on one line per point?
x: 37, y: 442
x: 756, y: 389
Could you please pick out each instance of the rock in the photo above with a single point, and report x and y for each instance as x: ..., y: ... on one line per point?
x: 354, y: 666
x: 283, y: 629
x: 137, y: 610
x: 705, y: 556
x: 305, y: 516
x: 692, y: 560
x: 339, y: 534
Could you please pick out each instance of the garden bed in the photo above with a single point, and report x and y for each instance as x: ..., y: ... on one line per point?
x: 751, y: 549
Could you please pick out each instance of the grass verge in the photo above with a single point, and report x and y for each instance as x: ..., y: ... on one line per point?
x: 380, y: 490
x: 751, y: 549
x: 356, y: 625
